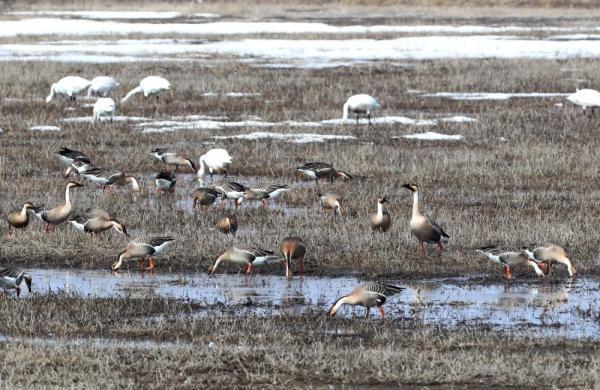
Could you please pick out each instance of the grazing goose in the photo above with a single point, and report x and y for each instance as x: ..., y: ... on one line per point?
x: 102, y: 86
x: 331, y: 201
x: 292, y: 248
x: 585, y: 98
x: 104, y: 107
x: 165, y: 182
x: 60, y: 213
x: 19, y: 219
x: 98, y: 221
x: 213, y: 161
x: 231, y: 190
x: 142, y: 249
x: 79, y: 167
x: 227, y: 224
x: 151, y: 85
x: 11, y: 279
x: 320, y: 170
x: 170, y: 158
x: 264, y: 194
x: 122, y: 180
x: 69, y: 87
x: 360, y: 105
x: 368, y: 295
x: 244, y: 255
x: 546, y: 256
x: 509, y: 259
x: 67, y: 156
x: 381, y: 221
x: 205, y: 196
x: 101, y: 176
x: 424, y: 228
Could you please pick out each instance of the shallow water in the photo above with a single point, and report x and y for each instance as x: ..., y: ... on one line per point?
x: 536, y: 308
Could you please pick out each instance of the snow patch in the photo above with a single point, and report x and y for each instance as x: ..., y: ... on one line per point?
x: 493, y: 95
x: 296, y: 138
x: 433, y: 136
x: 104, y: 14
x: 45, y: 128
x: 84, y: 119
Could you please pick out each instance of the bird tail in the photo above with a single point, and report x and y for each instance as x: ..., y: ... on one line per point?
x: 137, y: 89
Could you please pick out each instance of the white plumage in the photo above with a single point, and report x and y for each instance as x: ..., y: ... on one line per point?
x: 102, y: 85
x: 585, y: 98
x: 150, y: 85
x: 214, y: 161
x: 104, y: 107
x: 360, y: 105
x: 69, y: 87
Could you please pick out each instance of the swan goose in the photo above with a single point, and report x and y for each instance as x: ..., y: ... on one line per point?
x: 368, y: 295
x: 382, y: 220
x: 61, y: 213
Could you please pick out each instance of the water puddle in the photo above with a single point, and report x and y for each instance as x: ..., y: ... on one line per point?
x: 534, y: 308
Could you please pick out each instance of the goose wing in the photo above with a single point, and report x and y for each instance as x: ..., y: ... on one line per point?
x: 158, y: 241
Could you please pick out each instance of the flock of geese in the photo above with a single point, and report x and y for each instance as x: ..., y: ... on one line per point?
x: 218, y: 161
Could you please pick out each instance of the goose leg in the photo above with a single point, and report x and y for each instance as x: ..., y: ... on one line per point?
x: 151, y: 266
x: 507, y: 272
x: 142, y: 263
x: 381, y: 312
x: 249, y: 268
x: 18, y: 290
x: 421, y: 248
x: 440, y: 248
x: 265, y: 205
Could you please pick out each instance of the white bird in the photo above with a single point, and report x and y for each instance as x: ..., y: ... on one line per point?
x: 69, y: 87
x: 151, y: 85
x: 585, y: 98
x: 102, y: 85
x: 104, y: 107
x: 360, y: 105
x: 213, y: 161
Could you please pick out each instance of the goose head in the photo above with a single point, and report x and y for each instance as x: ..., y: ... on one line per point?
x: 343, y: 175
x: 158, y: 152
x: 119, y: 227
x: 73, y: 184
x: 411, y: 187
x: 382, y: 200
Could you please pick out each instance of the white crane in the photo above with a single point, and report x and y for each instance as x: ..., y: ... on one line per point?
x: 104, y: 107
x: 360, y: 105
x: 102, y: 85
x: 151, y: 85
x: 214, y: 161
x: 69, y: 87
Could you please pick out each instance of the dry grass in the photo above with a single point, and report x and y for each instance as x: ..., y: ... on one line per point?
x: 131, y: 346
x: 538, y: 186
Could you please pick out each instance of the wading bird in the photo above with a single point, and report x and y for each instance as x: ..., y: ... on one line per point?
x: 205, y: 197
x: 213, y: 161
x: 102, y: 86
x: 508, y: 259
x: 273, y: 191
x: 360, y: 105
x: 320, y: 170
x: 368, y: 295
x: 244, y: 255
x: 69, y: 87
x: 142, y: 249
x: 546, y: 256
x: 11, y: 279
x: 292, y: 248
x: 151, y: 85
x: 173, y: 159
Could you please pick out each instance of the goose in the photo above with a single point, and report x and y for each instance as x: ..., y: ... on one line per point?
x: 231, y: 190
x: 244, y: 255
x: 213, y: 161
x: 102, y: 85
x: 509, y: 259
x: 381, y: 221
x: 205, y: 196
x: 69, y: 86
x: 368, y: 295
x: 170, y: 158
x: 37, y: 210
x: 424, y: 228
x: 79, y: 167
x: 292, y: 248
x: 360, y: 105
x: 104, y: 107
x: 546, y: 256
x: 165, y: 182
x: 67, y: 156
x: 11, y: 279
x: 227, y: 224
x: 151, y: 85
x: 585, y: 98
x: 121, y: 179
x: 264, y: 194
x: 320, y: 170
x: 331, y: 201
x: 101, y: 176
x: 98, y: 221
x: 19, y: 219
x: 61, y: 213
x: 141, y: 249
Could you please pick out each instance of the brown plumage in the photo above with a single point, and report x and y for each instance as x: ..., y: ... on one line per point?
x: 331, y: 201
x: 292, y: 248
x: 227, y: 224
x: 244, y: 255
x: 368, y: 295
x: 60, y: 213
x: 205, y: 196
x: 381, y: 221
x: 19, y: 219
x: 173, y: 159
x: 546, y: 256
x: 140, y: 249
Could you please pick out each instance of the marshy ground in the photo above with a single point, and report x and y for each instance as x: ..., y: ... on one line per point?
x: 526, y: 171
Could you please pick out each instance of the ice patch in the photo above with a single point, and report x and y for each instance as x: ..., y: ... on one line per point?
x: 44, y: 128
x: 296, y: 138
x: 105, y: 14
x: 493, y: 95
x: 54, y: 26
x: 433, y: 136
x: 459, y: 119
x: 384, y: 120
x: 241, y: 94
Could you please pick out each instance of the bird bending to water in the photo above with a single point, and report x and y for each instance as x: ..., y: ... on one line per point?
x: 151, y: 85
x: 368, y: 295
x: 508, y: 259
x: 69, y: 87
x: 360, y: 105
x: 102, y: 86
x: 142, y: 249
